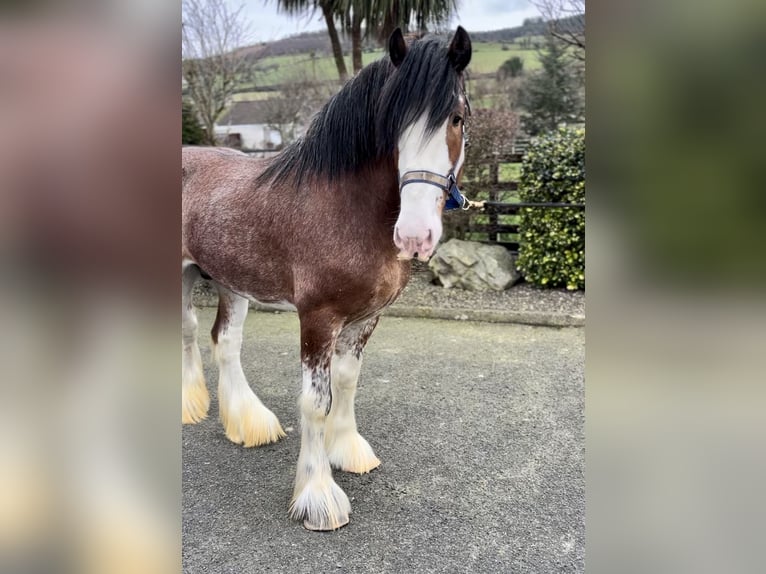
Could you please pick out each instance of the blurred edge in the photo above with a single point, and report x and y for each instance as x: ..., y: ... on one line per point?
x: 89, y: 220
x: 676, y: 314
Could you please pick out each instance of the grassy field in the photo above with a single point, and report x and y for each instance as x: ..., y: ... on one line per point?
x: 487, y: 58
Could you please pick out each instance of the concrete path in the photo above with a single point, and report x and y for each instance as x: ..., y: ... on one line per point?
x: 480, y: 431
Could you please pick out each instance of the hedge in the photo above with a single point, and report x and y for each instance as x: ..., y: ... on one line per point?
x: 552, y: 240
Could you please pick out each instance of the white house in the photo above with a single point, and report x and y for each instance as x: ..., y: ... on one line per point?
x: 246, y: 125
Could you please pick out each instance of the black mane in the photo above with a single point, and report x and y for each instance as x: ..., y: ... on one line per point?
x: 363, y: 122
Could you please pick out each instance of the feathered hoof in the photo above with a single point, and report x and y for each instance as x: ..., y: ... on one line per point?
x: 350, y: 452
x: 195, y: 401
x: 321, y: 505
x: 251, y: 424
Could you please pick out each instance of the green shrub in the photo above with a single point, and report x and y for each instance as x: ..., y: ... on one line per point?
x: 552, y: 240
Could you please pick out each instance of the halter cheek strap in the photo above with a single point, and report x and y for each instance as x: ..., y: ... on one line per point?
x: 448, y: 184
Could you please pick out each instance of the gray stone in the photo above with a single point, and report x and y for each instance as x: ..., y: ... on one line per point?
x: 474, y: 266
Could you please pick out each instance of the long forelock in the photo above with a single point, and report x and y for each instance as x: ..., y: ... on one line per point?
x: 425, y: 83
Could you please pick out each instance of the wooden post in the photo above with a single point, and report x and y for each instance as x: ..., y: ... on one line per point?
x: 493, y: 179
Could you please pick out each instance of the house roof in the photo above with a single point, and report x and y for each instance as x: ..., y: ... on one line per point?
x: 244, y: 113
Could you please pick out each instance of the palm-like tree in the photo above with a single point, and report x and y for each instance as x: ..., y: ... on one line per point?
x: 387, y: 15
x: 379, y: 17
x: 382, y: 17
x: 330, y: 9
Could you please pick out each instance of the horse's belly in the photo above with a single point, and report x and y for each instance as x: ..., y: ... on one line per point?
x: 273, y: 305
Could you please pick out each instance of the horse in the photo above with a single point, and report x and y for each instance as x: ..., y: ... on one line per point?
x: 327, y: 227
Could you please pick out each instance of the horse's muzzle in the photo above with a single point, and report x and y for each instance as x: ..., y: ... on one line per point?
x: 411, y: 246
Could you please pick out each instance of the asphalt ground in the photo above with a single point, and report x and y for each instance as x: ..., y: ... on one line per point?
x: 480, y: 430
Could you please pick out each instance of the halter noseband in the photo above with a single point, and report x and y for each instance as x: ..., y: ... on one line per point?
x: 448, y: 184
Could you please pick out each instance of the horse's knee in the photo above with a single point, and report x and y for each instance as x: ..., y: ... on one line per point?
x: 315, y: 404
x: 229, y: 344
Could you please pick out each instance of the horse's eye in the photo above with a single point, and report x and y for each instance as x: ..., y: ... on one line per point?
x: 456, y: 120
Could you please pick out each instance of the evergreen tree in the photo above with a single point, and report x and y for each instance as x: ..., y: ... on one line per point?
x: 191, y: 130
x: 551, y: 96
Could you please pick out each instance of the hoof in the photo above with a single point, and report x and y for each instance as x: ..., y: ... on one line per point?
x: 318, y: 528
x: 251, y: 425
x: 350, y: 452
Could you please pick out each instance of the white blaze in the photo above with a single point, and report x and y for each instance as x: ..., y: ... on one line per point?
x: 419, y: 221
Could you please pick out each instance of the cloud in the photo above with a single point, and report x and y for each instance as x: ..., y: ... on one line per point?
x: 500, y: 6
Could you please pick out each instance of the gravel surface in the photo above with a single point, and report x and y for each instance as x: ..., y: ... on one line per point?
x: 483, y: 456
x: 420, y: 292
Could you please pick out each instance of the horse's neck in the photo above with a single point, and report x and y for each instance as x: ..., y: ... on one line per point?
x: 376, y: 185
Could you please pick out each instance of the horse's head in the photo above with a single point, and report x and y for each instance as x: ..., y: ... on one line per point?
x: 431, y: 145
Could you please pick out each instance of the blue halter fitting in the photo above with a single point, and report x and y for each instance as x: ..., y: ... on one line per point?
x: 455, y: 199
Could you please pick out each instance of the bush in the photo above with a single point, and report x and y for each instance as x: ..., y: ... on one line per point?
x: 552, y: 240
x: 511, y: 68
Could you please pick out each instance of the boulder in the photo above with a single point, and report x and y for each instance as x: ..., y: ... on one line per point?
x: 474, y: 266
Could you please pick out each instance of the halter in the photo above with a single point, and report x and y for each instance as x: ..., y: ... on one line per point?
x: 448, y: 184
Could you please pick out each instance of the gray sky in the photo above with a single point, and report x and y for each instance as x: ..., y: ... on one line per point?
x: 474, y: 15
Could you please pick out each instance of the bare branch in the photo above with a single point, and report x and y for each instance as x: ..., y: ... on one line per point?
x: 300, y: 98
x: 212, y: 65
x: 566, y: 22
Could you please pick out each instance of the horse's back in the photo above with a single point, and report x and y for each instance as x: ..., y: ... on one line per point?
x: 197, y: 161
x: 212, y: 177
x: 228, y: 222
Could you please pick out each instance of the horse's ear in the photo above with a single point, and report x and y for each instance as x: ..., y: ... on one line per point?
x: 397, y: 48
x: 459, y: 53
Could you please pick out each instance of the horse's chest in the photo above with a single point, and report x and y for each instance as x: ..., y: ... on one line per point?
x: 390, y: 283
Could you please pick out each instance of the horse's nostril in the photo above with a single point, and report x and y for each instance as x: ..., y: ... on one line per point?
x: 428, y: 242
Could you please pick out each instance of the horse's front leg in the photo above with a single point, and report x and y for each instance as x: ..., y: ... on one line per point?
x: 317, y: 500
x: 346, y: 448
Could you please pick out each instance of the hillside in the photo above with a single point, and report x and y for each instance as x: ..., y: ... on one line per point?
x: 319, y: 43
x: 306, y: 60
x: 308, y: 56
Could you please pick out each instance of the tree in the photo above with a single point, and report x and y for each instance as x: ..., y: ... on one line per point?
x: 299, y: 99
x: 378, y: 18
x: 511, y: 68
x: 212, y: 65
x: 191, y: 130
x: 330, y: 10
x: 566, y: 22
x: 551, y: 96
x: 382, y: 17
x: 390, y: 14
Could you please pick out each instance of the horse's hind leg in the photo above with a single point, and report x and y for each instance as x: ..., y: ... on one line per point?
x: 195, y: 399
x: 244, y: 417
x: 346, y: 448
